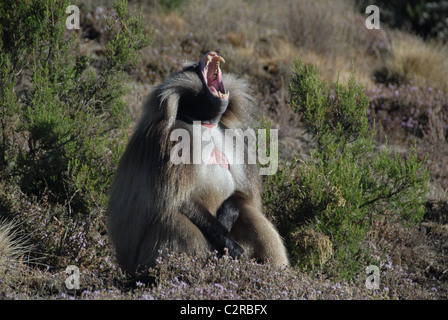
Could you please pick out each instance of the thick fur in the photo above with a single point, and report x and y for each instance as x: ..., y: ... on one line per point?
x: 151, y: 205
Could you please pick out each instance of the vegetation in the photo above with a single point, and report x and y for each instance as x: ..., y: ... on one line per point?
x: 415, y: 62
x: 345, y: 186
x: 356, y: 150
x: 63, y: 124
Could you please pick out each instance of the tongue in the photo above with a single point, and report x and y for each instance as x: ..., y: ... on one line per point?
x: 213, y: 89
x: 214, y: 84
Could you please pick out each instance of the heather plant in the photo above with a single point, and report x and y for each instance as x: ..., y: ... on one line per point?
x: 346, y: 184
x: 63, y: 122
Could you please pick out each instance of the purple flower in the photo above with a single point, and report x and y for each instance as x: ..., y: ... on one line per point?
x: 219, y: 286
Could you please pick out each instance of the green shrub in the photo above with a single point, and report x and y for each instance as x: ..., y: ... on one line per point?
x: 346, y: 184
x: 62, y: 118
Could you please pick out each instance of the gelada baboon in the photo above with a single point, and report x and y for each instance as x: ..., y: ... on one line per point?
x: 156, y: 204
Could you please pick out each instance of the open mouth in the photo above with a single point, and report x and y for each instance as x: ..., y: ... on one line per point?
x: 212, y: 74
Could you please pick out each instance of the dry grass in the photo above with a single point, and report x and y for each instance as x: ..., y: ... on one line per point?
x: 425, y: 63
x: 263, y: 36
x: 12, y: 245
x: 315, y: 249
x: 260, y: 38
x: 270, y: 34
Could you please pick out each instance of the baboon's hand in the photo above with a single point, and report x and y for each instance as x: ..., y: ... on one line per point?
x: 227, y: 214
x: 236, y: 250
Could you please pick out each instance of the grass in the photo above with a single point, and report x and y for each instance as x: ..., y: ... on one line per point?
x: 259, y: 39
x: 422, y: 63
x: 12, y: 245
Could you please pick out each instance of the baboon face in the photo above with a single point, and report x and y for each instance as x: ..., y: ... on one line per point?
x: 209, y: 106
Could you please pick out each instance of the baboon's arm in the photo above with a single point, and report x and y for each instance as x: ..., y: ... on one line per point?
x: 212, y: 229
x: 227, y: 214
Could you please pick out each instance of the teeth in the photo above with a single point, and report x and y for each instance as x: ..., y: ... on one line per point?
x: 215, y: 75
x: 221, y: 95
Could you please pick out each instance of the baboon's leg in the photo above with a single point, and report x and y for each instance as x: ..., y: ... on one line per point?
x: 175, y: 234
x: 258, y: 236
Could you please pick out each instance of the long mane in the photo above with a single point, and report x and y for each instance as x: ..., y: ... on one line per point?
x: 163, y: 101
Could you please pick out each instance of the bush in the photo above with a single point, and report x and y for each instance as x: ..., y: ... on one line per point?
x: 63, y: 120
x: 345, y: 185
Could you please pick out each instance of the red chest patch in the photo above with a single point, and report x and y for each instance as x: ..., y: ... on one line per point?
x: 217, y: 156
